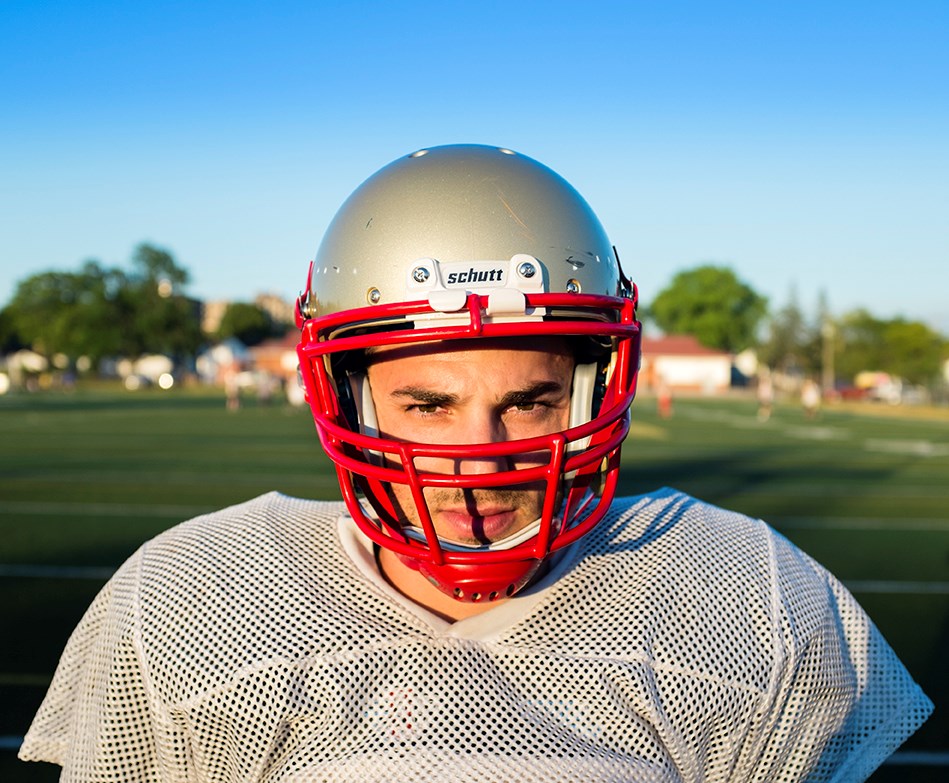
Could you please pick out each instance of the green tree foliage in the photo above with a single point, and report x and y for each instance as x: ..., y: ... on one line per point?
x: 711, y: 303
x: 75, y: 313
x: 155, y: 265
x: 10, y: 339
x: 783, y: 348
x: 907, y: 349
x: 99, y: 312
x: 793, y: 344
x: 247, y: 322
x: 163, y: 319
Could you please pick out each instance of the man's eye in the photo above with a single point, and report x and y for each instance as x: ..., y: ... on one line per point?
x: 425, y: 407
x: 526, y: 406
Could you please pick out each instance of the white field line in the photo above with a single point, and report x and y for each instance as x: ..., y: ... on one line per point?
x: 917, y: 448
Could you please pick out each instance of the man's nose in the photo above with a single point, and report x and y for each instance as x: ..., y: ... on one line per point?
x: 483, y: 429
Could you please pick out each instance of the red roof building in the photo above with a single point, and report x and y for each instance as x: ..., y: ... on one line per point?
x: 682, y: 363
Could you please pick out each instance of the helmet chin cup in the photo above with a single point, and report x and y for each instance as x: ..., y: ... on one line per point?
x: 481, y: 583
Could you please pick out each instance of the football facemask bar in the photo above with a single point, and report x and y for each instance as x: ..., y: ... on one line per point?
x: 579, y: 469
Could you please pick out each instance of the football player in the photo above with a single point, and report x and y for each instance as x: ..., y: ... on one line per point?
x: 481, y: 606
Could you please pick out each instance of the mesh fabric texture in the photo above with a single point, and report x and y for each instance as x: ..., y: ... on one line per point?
x: 676, y: 642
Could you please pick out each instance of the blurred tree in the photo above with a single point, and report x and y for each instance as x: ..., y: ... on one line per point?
x: 164, y: 320
x: 711, y: 303
x: 815, y: 342
x: 99, y: 312
x: 825, y: 336
x: 158, y: 266
x: 10, y: 339
x: 907, y: 349
x: 913, y: 351
x: 859, y: 343
x: 247, y: 322
x: 783, y: 349
x: 74, y: 313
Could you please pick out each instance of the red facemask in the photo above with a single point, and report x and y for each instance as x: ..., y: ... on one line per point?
x: 582, y: 462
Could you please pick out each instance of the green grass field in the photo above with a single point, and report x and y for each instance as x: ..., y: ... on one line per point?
x: 86, y: 477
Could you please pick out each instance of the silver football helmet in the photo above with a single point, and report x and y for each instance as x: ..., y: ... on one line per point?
x: 457, y: 243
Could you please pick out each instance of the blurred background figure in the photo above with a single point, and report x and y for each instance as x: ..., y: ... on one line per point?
x: 765, y: 394
x: 810, y: 398
x: 664, y: 399
x: 232, y: 388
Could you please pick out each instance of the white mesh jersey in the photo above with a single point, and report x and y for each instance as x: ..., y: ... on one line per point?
x: 676, y: 642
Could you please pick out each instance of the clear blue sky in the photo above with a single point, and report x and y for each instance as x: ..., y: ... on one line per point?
x: 804, y: 144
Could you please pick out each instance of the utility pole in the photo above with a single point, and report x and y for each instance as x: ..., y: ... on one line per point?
x: 828, y: 332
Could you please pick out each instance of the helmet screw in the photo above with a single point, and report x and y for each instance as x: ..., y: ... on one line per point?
x: 373, y: 295
x: 527, y: 270
x: 573, y: 286
x: 420, y: 274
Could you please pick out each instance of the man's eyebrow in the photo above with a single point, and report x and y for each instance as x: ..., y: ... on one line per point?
x: 428, y: 396
x: 532, y: 393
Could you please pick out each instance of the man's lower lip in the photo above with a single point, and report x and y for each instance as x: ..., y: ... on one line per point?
x: 464, y: 527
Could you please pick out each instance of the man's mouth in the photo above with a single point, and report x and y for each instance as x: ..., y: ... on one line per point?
x: 475, y: 527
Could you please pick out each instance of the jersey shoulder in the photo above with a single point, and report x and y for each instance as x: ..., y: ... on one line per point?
x: 678, y: 581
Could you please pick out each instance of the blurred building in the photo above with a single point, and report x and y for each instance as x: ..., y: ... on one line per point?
x: 682, y: 363
x: 211, y: 315
x: 278, y: 308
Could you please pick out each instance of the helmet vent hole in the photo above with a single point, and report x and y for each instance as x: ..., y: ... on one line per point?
x: 476, y: 596
x: 493, y: 596
x: 510, y: 591
x: 459, y: 593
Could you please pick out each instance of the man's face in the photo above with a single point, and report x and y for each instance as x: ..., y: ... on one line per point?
x: 486, y: 392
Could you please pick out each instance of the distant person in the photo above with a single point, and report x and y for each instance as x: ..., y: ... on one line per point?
x: 664, y: 399
x: 810, y: 398
x: 765, y: 393
x: 481, y: 607
x: 232, y: 388
x: 266, y: 385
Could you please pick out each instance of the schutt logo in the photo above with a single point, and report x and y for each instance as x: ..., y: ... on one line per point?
x: 476, y: 276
